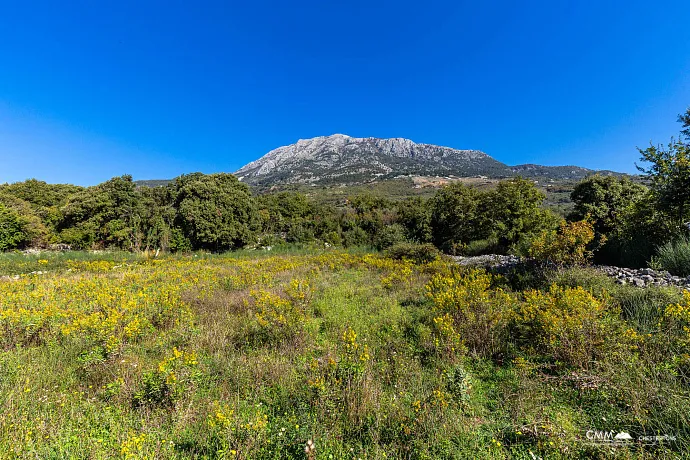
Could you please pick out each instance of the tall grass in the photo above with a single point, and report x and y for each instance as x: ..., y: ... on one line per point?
x: 256, y: 354
x: 641, y: 308
x: 18, y: 263
x: 674, y: 257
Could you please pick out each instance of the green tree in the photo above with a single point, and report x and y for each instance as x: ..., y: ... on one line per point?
x: 12, y: 233
x: 390, y: 235
x: 624, y: 219
x: 457, y: 217
x: 684, y: 119
x: 515, y: 212
x: 215, y: 212
x: 36, y: 233
x: 606, y: 199
x: 643, y: 228
x: 158, y: 220
x: 40, y: 194
x: 39, y: 203
x: 668, y: 174
x: 415, y: 215
x: 289, y: 213
x: 371, y: 213
x: 110, y: 214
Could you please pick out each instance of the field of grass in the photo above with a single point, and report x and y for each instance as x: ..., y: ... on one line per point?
x: 331, y: 355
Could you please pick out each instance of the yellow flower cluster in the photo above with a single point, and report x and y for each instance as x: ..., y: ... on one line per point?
x: 400, y: 275
x: 221, y: 417
x: 91, y: 265
x: 178, y: 360
x: 277, y: 317
x: 105, y: 305
x: 680, y: 311
x: 102, y: 311
x: 352, y: 347
x: 470, y: 311
x: 133, y: 446
x: 299, y: 291
x: 568, y: 323
x: 677, y: 317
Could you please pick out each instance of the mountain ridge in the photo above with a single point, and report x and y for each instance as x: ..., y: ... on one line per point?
x: 340, y: 158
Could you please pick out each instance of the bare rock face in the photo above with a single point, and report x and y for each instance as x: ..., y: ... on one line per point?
x: 341, y: 158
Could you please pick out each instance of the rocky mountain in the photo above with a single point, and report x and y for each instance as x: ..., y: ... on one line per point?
x: 344, y: 159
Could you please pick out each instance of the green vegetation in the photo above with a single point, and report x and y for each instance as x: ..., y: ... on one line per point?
x: 674, y: 257
x: 509, y: 215
x: 12, y: 232
x: 216, y: 213
x: 158, y: 344
x: 566, y: 246
x: 416, y: 253
x: 347, y: 354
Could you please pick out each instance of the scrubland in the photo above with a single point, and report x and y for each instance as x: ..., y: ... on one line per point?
x: 333, y: 354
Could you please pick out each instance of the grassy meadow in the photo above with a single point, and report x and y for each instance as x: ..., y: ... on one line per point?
x: 331, y: 354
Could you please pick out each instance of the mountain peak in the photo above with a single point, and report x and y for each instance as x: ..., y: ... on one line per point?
x: 341, y: 158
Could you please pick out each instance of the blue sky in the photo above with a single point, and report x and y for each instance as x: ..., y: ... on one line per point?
x: 91, y: 90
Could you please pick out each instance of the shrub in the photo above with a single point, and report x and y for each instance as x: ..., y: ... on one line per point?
x: 11, y: 230
x: 179, y: 242
x: 567, y: 246
x: 485, y: 246
x: 459, y: 383
x: 355, y: 237
x: 674, y: 257
x: 215, y: 212
x: 389, y: 236
x: 641, y: 308
x: 298, y: 233
x: 278, y: 319
x: 470, y: 313
x: 34, y: 231
x: 676, y: 329
x: 515, y: 213
x: 456, y: 217
x: 569, y: 324
x: 168, y: 382
x: 333, y: 238
x: 417, y: 253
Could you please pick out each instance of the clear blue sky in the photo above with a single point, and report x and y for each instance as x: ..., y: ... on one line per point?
x: 93, y: 89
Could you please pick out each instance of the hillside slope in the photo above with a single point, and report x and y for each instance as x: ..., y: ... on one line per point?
x: 344, y: 159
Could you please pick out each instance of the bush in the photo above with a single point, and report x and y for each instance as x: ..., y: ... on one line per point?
x: 168, y: 382
x: 278, y: 319
x: 298, y: 233
x: 355, y: 237
x: 480, y: 247
x: 641, y: 308
x: 568, y: 324
x: 333, y: 238
x: 674, y: 257
x: 470, y: 314
x: 567, y: 246
x: 417, y: 253
x: 11, y: 229
x: 215, y: 212
x: 389, y: 236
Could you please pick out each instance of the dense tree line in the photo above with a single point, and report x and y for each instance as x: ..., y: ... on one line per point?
x: 217, y: 212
